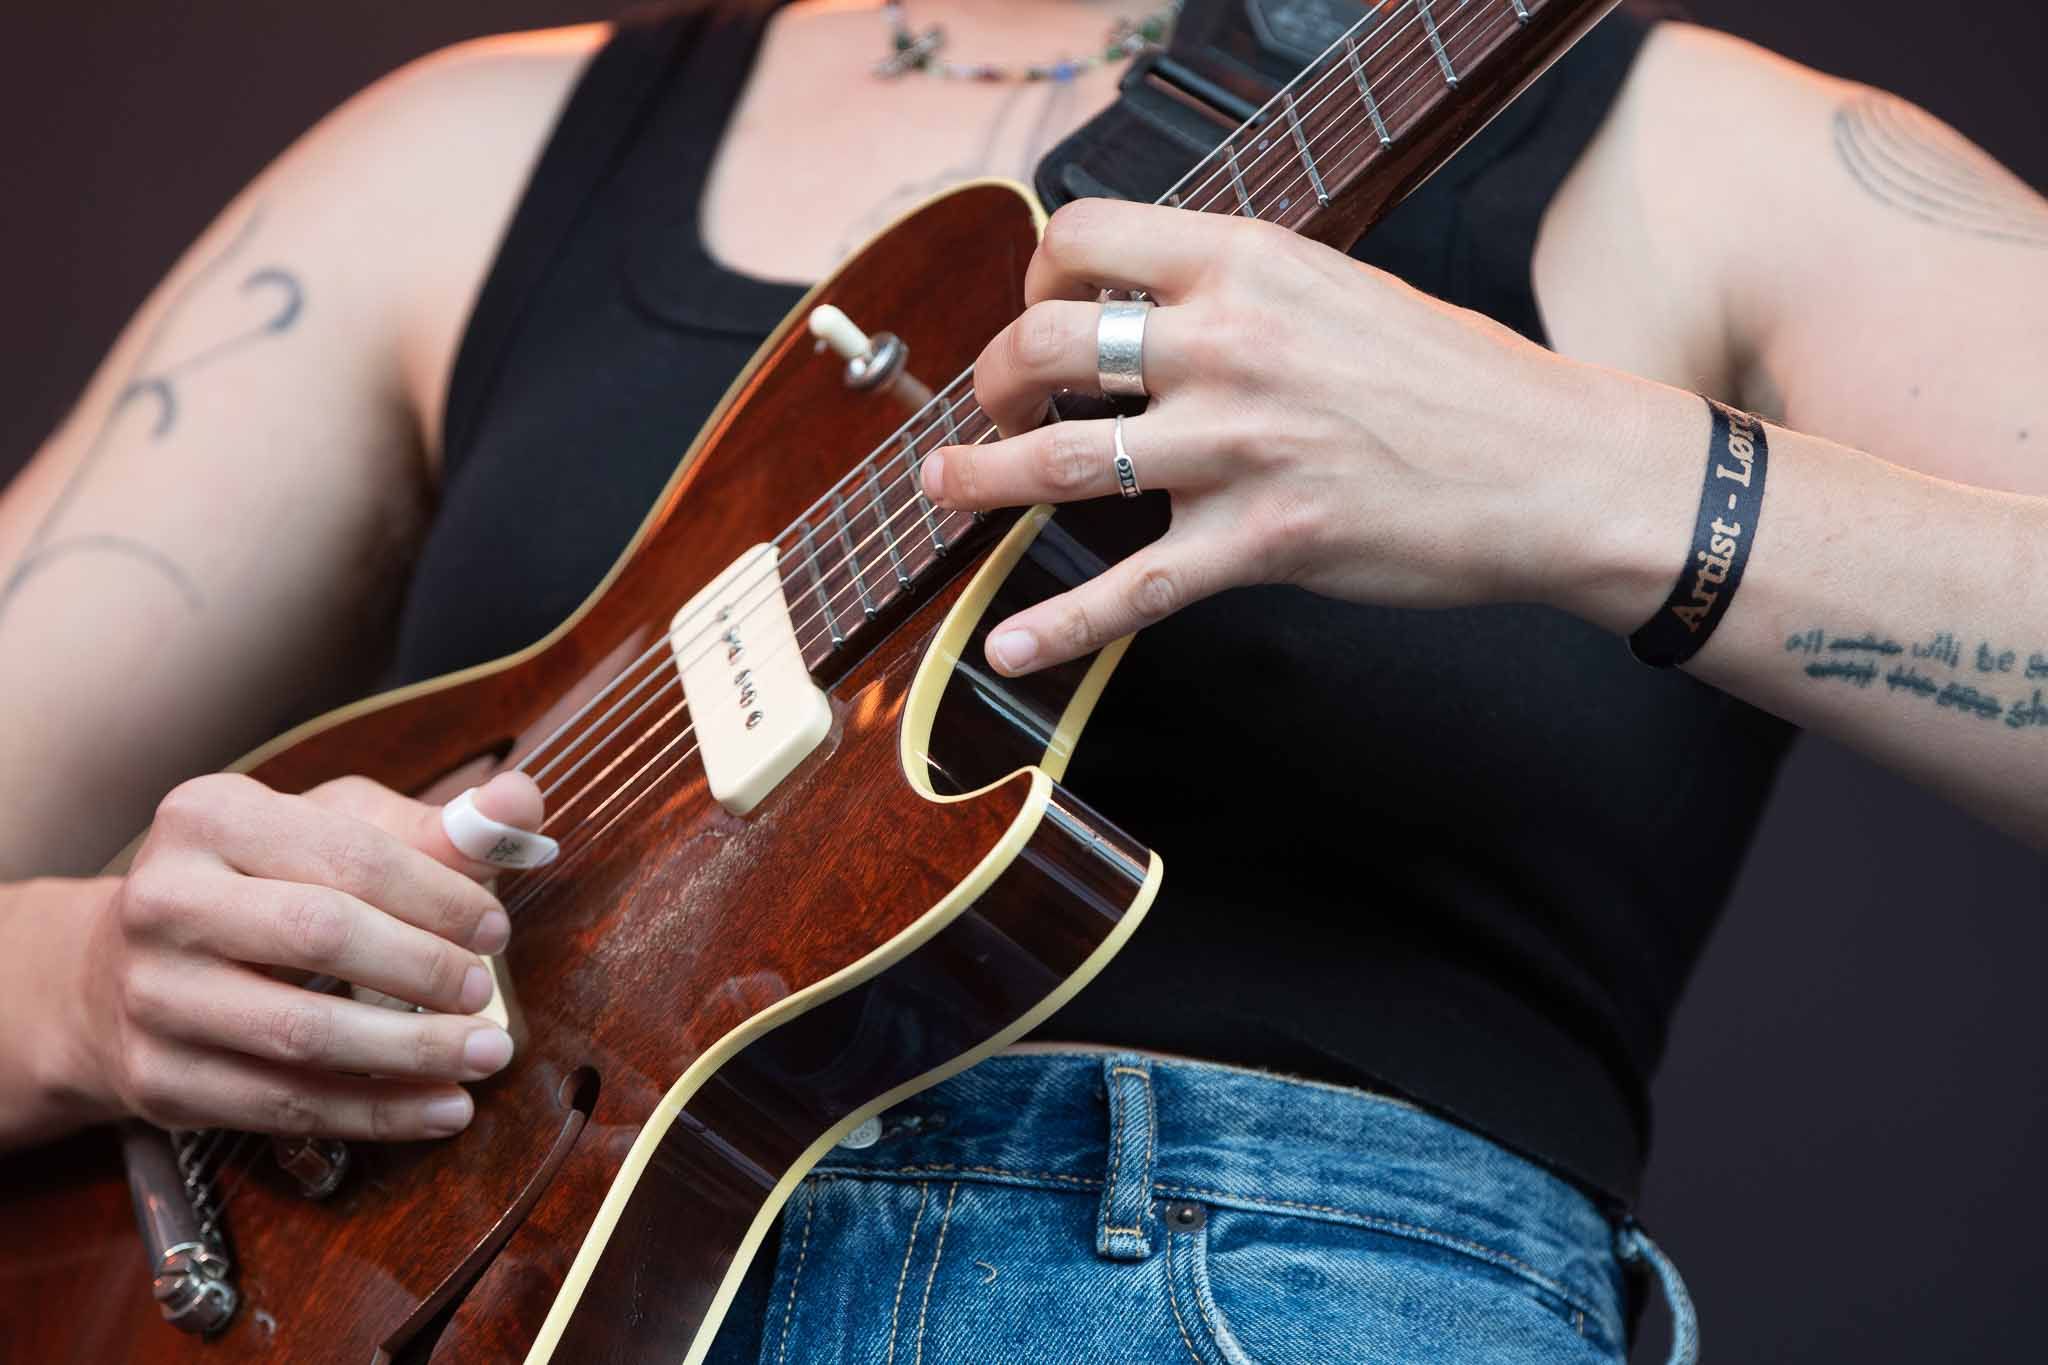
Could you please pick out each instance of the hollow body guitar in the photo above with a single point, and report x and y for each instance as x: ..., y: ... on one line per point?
x: 843, y: 870
x: 705, y: 1001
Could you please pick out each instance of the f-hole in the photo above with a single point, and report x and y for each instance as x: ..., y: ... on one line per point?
x: 414, y: 1343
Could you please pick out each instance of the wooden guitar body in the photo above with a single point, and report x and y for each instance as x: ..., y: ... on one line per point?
x: 704, y: 1002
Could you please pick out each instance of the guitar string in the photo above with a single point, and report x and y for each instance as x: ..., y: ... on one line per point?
x: 1332, y: 75
x: 913, y: 460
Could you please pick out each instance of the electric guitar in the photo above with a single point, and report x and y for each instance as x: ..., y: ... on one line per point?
x: 815, y: 855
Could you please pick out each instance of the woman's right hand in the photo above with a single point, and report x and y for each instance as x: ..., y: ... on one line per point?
x: 186, y: 1027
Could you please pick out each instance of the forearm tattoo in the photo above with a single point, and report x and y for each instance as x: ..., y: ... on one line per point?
x: 1974, y: 678
x: 150, y: 392
x: 1913, y: 163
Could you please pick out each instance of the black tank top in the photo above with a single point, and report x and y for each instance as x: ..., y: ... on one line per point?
x: 1469, y: 856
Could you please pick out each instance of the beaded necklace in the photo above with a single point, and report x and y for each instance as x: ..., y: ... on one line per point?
x: 911, y: 51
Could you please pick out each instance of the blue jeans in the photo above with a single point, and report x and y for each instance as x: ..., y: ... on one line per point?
x: 1092, y: 1207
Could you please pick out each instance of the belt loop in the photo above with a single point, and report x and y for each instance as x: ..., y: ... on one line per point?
x: 1124, y: 1231
x: 1638, y: 1252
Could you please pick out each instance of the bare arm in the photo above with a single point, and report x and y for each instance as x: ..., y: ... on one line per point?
x: 1859, y: 271
x: 208, y: 549
x: 210, y: 546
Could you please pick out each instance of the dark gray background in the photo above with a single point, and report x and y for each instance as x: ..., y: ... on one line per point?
x: 1852, y: 1099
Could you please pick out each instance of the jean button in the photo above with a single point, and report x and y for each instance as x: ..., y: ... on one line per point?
x: 865, y: 1134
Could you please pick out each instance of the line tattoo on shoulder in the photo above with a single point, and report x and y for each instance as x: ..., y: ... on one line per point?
x: 276, y: 300
x: 1915, y: 164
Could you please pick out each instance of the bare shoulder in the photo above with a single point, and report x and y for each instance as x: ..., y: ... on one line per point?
x: 1632, y: 262
x: 456, y: 135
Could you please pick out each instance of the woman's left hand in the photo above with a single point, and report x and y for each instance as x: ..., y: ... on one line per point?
x: 1315, y: 422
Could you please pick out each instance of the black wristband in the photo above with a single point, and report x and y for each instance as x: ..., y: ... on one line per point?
x: 1730, y: 504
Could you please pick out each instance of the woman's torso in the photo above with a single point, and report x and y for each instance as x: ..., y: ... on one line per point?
x: 1465, y: 855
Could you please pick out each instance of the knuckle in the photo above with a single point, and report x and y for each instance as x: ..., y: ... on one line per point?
x: 193, y: 808
x: 1065, y: 458
x: 354, y: 858
x: 352, y: 795
x: 434, y: 1053
x: 298, y: 1033
x: 1038, y: 340
x: 147, y: 1001
x: 317, y: 926
x: 1075, y: 631
x: 1069, y: 230
x: 385, y: 1119
x: 1155, y: 593
x: 153, y: 1086
x: 288, y: 1111
x: 444, y: 975
x: 152, y: 900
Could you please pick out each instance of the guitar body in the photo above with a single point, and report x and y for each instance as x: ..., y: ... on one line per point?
x: 704, y: 1002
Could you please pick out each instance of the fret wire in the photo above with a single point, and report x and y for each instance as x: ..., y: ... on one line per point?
x: 1436, y: 40
x: 1485, y: 37
x: 1244, y: 198
x: 1315, y: 177
x: 860, y: 584
x: 1521, y: 11
x: 882, y: 525
x: 1372, y: 106
x: 810, y: 549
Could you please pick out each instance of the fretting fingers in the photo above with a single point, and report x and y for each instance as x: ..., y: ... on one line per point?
x: 1065, y: 462
x: 1053, y: 346
x: 1153, y: 583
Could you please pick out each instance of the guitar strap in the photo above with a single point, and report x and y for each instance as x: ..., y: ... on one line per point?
x: 1225, y: 59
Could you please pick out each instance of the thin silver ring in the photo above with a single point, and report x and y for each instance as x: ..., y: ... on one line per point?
x: 1120, y: 348
x: 1126, y: 472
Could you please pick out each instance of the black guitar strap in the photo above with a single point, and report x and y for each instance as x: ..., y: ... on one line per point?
x: 1226, y: 58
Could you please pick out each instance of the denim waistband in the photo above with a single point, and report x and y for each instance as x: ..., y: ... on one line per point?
x: 1135, y: 1130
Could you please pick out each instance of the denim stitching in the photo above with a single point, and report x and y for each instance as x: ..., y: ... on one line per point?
x: 938, y: 1251
x: 1151, y: 1136
x: 810, y: 1208
x: 1478, y: 1250
x: 1173, y: 1302
x: 1116, y: 1144
x: 896, y: 1308
x: 1225, y: 1341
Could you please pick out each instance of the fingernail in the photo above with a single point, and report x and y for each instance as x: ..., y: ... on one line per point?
x: 493, y: 932
x: 476, y: 990
x: 447, y: 1115
x: 487, y: 1050
x: 934, y: 476
x: 1013, y: 650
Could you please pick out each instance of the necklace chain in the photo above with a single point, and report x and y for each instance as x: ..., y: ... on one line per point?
x: 912, y: 51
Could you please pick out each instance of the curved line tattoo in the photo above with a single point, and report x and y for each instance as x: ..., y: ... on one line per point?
x: 151, y: 379
x: 1913, y: 163
x: 38, y: 560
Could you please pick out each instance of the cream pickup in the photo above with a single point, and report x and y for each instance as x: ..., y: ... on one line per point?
x: 757, y: 712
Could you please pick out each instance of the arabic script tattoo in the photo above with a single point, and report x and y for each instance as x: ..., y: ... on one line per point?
x: 1915, y: 164
x: 151, y: 391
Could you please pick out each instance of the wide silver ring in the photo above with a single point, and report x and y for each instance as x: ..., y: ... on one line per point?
x: 1126, y: 472
x: 1120, y: 348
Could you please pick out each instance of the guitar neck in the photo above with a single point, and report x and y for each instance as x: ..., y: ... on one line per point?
x: 1378, y: 112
